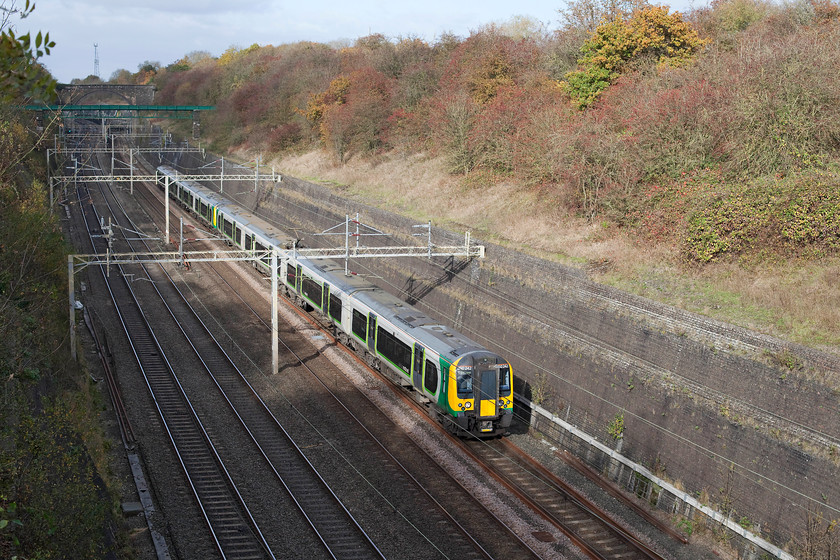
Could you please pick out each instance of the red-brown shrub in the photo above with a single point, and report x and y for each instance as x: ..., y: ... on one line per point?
x: 285, y: 136
x: 358, y: 122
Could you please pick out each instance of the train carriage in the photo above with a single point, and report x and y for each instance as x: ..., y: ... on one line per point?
x: 468, y: 387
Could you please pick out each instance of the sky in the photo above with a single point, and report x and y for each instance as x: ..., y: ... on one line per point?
x: 131, y: 32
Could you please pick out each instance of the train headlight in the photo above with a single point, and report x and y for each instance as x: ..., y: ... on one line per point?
x: 468, y: 404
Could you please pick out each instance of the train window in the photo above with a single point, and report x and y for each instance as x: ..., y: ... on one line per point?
x: 249, y: 242
x: 312, y: 290
x: 504, y: 379
x: 290, y: 275
x: 335, y: 307
x: 430, y: 379
x: 360, y: 325
x: 464, y: 381
x: 227, y: 227
x: 204, y: 210
x: 395, y: 350
x: 237, y: 235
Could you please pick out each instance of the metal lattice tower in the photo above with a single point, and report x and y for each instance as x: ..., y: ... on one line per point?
x: 96, y: 59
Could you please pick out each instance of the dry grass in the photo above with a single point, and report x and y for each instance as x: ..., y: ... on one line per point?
x: 805, y: 297
x: 795, y: 301
x: 501, y: 212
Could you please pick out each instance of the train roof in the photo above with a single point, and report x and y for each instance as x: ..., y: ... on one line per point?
x: 243, y: 217
x: 258, y: 225
x: 428, y: 331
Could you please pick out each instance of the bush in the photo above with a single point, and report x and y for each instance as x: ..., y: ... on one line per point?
x: 352, y: 114
x: 763, y: 100
x: 797, y: 215
x: 649, y: 34
x: 450, y: 123
x: 285, y: 136
x: 496, y: 135
x: 786, y: 100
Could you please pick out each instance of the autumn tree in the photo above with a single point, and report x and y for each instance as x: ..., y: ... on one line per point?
x: 651, y: 34
x: 820, y: 539
x: 352, y: 114
x: 518, y: 27
x: 464, y: 109
x: 501, y: 134
x: 493, y: 73
x: 319, y: 103
x: 452, y: 122
x: 362, y: 119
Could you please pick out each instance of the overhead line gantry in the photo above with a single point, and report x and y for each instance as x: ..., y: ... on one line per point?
x: 116, y: 111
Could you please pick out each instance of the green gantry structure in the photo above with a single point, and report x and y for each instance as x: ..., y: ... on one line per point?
x: 119, y: 111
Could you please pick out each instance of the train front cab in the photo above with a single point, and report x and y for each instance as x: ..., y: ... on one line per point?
x: 480, y: 394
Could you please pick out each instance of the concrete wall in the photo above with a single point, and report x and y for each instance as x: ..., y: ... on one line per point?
x: 706, y: 404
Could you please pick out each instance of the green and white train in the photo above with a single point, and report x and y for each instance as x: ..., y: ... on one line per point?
x: 468, y: 388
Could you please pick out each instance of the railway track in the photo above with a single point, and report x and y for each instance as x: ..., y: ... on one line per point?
x: 588, y: 527
x: 331, y: 522
x: 231, y: 527
x: 126, y: 431
x: 584, y: 523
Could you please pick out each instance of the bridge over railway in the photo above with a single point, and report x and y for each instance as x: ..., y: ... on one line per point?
x: 74, y: 94
x: 107, y: 112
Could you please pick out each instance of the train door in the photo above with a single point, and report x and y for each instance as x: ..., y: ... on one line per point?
x: 325, y: 299
x: 298, y: 278
x: 417, y: 369
x: 371, y: 338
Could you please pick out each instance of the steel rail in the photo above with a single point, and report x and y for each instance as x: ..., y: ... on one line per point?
x: 594, y: 550
x: 333, y: 524
x: 558, y: 502
x: 642, y: 550
x: 479, y: 548
x: 228, y: 528
x: 126, y: 431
